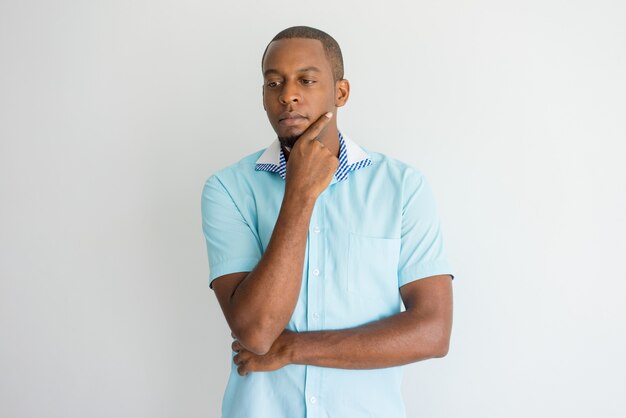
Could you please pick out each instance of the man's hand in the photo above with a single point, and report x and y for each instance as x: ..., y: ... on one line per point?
x: 276, y: 358
x: 311, y: 165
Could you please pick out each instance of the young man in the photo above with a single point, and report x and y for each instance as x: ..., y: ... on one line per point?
x: 314, y: 244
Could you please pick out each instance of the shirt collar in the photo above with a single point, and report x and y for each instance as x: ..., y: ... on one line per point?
x: 351, y: 158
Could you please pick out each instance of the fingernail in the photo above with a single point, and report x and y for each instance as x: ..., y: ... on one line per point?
x: 329, y: 115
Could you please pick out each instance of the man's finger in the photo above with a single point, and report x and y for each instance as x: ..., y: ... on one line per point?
x: 313, y: 131
x: 236, y: 346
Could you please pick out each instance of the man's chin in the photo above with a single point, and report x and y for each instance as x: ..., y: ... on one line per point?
x: 288, y: 141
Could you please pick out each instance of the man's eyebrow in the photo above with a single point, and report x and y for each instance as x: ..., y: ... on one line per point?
x: 309, y: 69
x: 270, y: 71
x: 301, y: 70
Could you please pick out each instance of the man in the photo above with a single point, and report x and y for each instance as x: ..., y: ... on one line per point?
x: 313, y: 245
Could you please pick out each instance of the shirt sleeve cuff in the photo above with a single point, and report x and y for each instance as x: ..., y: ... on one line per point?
x: 423, y: 270
x: 234, y: 265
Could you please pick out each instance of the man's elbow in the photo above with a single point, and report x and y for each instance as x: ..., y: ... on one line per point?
x: 255, y: 339
x: 440, y: 348
x: 435, y: 342
x: 260, y: 348
x: 440, y: 342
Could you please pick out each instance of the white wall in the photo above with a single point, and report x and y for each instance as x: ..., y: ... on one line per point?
x: 113, y: 113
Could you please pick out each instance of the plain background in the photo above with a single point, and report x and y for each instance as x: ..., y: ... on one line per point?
x: 114, y: 113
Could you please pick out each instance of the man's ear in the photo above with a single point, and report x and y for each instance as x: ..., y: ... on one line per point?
x: 342, y: 92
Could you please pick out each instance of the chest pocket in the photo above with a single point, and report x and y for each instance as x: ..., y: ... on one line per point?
x: 372, y: 270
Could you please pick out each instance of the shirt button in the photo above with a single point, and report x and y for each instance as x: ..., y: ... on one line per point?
x: 313, y: 399
x: 316, y: 229
x: 316, y: 316
x: 316, y: 272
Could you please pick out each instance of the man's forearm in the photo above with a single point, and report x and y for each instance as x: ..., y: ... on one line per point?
x: 394, y: 341
x: 264, y: 301
x: 401, y: 339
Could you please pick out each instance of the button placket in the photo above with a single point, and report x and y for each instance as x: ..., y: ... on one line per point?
x: 315, y: 272
x: 315, y: 289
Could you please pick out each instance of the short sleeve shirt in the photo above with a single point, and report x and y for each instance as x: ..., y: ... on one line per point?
x: 372, y: 230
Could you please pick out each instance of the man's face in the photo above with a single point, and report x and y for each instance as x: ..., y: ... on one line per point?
x: 298, y: 86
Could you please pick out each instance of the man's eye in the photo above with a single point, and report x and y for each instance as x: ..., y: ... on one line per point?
x: 308, y: 81
x: 271, y: 84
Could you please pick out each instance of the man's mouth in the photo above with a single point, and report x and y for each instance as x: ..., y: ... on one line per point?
x: 290, y: 118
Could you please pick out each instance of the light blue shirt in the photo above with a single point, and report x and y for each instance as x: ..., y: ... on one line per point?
x: 373, y: 229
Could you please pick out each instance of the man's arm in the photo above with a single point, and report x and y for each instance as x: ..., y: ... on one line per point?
x: 419, y: 333
x: 258, y: 304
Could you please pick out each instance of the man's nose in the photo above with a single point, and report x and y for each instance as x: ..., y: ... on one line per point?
x: 289, y: 94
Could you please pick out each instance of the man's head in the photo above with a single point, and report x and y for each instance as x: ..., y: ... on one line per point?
x: 331, y: 47
x: 303, y: 79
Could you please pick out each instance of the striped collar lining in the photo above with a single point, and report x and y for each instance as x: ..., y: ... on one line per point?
x: 351, y: 158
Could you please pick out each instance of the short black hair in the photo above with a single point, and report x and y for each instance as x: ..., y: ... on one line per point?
x: 331, y: 47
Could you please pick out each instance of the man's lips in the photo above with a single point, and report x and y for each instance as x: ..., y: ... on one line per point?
x: 290, y: 119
